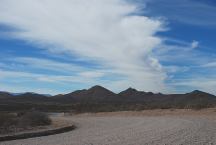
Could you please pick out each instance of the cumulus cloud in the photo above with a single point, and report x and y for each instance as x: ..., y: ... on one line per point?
x: 106, y: 31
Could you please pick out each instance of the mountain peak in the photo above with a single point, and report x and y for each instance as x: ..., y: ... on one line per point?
x: 197, y: 92
x: 131, y: 89
x: 97, y: 87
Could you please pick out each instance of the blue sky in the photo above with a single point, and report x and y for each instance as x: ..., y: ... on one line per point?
x: 58, y: 46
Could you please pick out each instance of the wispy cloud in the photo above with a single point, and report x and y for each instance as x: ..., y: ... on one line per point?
x: 47, y: 64
x: 188, y: 66
x: 177, y: 51
x: 210, y: 64
x: 20, y: 81
x: 25, y: 67
x: 104, y: 31
x: 207, y: 84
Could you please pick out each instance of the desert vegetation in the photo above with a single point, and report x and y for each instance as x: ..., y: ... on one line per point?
x: 16, y: 122
x: 108, y: 106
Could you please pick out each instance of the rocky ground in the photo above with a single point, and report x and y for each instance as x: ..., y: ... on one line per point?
x: 158, y: 127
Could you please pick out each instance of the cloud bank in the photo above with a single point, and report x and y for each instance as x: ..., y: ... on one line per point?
x: 104, y: 31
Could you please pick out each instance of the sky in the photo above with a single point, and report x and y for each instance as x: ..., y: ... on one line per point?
x: 58, y: 46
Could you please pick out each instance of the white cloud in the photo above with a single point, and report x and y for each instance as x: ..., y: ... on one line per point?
x: 210, y: 65
x: 176, y: 51
x: 20, y: 76
x: 47, y: 64
x: 194, y: 44
x: 175, y: 69
x: 91, y: 74
x: 99, y: 30
x: 18, y: 81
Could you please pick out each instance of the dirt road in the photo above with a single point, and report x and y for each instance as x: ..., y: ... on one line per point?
x: 132, y: 130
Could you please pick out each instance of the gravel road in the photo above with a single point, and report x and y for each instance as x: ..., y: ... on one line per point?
x: 132, y: 130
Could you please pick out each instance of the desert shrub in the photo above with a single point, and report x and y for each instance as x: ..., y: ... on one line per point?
x: 7, y: 120
x: 21, y: 121
x: 34, y: 119
x: 198, y: 106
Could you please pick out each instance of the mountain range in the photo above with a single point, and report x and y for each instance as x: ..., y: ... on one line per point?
x: 99, y: 97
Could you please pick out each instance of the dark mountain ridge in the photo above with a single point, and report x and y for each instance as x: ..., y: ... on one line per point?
x: 5, y: 95
x: 100, y: 97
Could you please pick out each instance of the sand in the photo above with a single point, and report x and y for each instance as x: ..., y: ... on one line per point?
x: 158, y: 127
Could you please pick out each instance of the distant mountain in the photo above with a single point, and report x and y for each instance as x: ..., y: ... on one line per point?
x: 19, y: 94
x: 4, y: 95
x: 30, y: 95
x: 134, y: 92
x: 200, y: 96
x: 132, y: 95
x: 100, y: 95
x: 23, y: 97
x: 130, y: 92
x: 94, y: 94
x: 100, y: 98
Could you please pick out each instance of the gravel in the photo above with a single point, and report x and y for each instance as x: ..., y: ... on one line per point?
x: 131, y: 130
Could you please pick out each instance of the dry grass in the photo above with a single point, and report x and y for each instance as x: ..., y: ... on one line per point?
x: 10, y: 123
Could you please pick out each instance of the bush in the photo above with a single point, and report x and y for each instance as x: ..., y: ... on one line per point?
x: 34, y: 119
x: 22, y: 121
x: 7, y: 120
